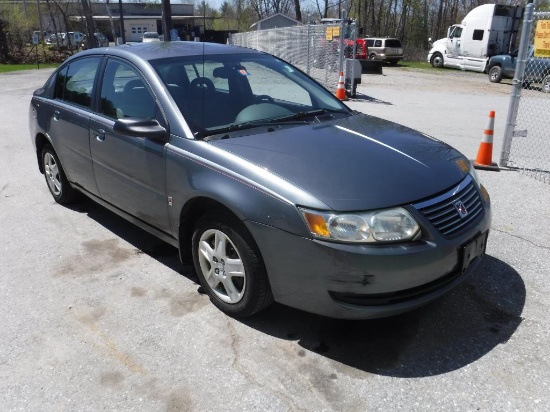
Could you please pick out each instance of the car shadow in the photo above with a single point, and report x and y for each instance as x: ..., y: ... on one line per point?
x: 452, y: 332
x: 143, y: 241
x: 361, y: 97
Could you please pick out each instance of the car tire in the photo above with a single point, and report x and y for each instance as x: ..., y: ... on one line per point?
x: 58, y: 185
x: 372, y: 56
x: 545, y: 85
x: 495, y: 74
x: 437, y: 60
x: 222, y: 243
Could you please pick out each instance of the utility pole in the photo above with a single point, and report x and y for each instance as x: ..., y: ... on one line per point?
x: 121, y: 18
x: 166, y: 20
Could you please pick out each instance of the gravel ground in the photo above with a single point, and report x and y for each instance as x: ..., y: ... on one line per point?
x: 97, y: 315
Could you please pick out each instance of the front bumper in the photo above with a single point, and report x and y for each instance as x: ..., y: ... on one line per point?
x: 364, y: 281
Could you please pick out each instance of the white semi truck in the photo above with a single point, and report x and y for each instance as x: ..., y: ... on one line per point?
x: 486, y: 31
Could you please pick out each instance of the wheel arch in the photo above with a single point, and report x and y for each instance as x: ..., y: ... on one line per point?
x: 190, y: 213
x: 40, y: 141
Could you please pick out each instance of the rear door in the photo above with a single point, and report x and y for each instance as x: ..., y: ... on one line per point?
x: 129, y: 170
x: 70, y: 112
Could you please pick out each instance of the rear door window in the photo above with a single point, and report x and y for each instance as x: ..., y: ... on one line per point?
x: 75, y: 84
x: 393, y: 43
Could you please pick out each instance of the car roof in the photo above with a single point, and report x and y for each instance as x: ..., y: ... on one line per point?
x: 160, y: 50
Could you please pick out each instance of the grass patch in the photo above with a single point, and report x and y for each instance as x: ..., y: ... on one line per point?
x: 417, y: 65
x: 4, y: 68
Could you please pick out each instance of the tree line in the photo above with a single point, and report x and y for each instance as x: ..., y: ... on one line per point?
x: 412, y: 21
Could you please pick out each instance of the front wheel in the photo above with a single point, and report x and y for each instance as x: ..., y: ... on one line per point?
x: 437, y: 60
x: 372, y: 56
x: 59, y: 186
x: 495, y: 74
x: 229, y: 265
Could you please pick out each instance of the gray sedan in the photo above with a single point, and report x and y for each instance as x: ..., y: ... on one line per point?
x: 273, y: 188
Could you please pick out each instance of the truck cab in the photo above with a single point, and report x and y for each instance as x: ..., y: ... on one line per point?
x: 486, y: 31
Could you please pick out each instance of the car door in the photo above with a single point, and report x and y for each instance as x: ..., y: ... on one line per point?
x: 129, y: 170
x: 70, y: 112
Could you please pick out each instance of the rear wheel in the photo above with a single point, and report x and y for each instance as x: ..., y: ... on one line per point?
x: 229, y: 265
x: 495, y: 74
x: 437, y: 60
x: 58, y: 184
x: 372, y: 56
x: 545, y: 86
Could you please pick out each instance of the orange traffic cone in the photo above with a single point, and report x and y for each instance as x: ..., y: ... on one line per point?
x: 341, y: 90
x: 484, y: 159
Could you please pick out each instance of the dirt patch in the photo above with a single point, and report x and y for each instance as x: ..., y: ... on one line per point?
x: 455, y: 81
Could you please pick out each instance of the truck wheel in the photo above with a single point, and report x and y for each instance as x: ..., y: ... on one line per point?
x: 437, y: 60
x: 545, y: 86
x: 495, y: 74
x: 372, y: 56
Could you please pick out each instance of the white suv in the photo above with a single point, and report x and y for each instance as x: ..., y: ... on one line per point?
x: 385, y: 49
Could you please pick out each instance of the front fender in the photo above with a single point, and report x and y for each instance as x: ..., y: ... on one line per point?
x: 190, y: 176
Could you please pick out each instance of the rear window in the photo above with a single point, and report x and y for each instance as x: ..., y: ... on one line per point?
x: 393, y: 43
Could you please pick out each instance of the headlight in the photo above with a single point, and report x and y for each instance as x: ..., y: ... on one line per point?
x: 388, y: 225
x: 467, y: 167
x: 474, y: 175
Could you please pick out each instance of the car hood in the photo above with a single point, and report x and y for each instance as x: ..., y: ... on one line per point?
x: 356, y: 163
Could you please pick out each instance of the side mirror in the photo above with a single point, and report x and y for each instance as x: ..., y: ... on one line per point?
x: 146, y: 128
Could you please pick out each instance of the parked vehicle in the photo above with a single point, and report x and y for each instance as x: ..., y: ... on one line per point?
x: 387, y: 50
x: 361, y: 49
x: 150, y: 36
x: 537, y: 69
x: 102, y: 41
x: 271, y: 186
x: 486, y: 31
x: 69, y: 40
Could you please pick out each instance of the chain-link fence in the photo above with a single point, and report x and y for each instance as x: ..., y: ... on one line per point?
x: 317, y: 50
x: 527, y: 137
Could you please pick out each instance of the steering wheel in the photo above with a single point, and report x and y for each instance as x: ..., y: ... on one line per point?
x: 263, y: 98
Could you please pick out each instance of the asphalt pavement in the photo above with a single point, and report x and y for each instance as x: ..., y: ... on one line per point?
x: 98, y: 315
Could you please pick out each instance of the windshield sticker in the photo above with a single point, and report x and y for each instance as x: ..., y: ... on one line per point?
x: 242, y: 71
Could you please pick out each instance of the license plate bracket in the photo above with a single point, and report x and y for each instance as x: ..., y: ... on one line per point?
x: 475, y: 248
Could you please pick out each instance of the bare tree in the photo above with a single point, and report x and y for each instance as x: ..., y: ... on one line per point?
x: 90, y: 24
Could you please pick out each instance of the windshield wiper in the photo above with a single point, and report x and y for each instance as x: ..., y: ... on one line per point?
x: 310, y: 113
x: 292, y: 119
x: 247, y: 125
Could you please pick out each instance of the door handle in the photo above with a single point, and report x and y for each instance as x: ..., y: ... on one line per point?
x: 56, y: 115
x: 99, y: 135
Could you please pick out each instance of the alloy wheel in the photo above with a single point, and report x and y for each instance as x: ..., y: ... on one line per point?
x: 52, y: 174
x: 222, y: 266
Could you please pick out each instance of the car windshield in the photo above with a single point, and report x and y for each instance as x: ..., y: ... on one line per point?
x: 219, y: 93
x: 150, y: 36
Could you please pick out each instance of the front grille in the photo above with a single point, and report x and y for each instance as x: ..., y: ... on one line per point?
x: 442, y: 211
